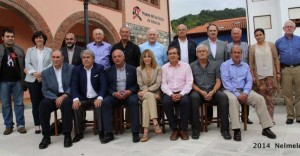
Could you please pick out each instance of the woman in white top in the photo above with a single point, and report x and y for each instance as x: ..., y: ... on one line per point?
x: 37, y: 59
x: 265, y: 68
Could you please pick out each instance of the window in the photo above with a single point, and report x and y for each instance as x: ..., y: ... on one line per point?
x: 294, y: 15
x: 114, y: 4
x: 263, y: 22
x: 152, y: 2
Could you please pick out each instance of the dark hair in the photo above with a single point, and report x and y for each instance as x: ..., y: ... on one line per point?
x: 211, y: 24
x: 259, y: 29
x: 37, y: 34
x: 7, y: 31
x: 174, y: 47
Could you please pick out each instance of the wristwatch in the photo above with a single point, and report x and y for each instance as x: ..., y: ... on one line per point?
x: 66, y: 95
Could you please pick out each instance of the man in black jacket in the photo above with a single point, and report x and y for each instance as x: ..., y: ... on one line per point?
x: 186, y: 45
x: 71, y: 51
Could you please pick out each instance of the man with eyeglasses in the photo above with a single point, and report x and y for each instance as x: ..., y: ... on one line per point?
x: 288, y: 48
x: 70, y: 51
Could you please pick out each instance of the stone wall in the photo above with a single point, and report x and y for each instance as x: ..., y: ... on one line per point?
x: 139, y: 35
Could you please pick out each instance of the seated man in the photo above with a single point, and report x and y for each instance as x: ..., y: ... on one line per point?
x: 122, y: 89
x: 206, y: 87
x: 56, y: 89
x: 237, y: 81
x: 177, y: 80
x: 88, y: 88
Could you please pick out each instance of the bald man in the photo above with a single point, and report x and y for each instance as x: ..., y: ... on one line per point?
x: 122, y: 89
x: 71, y: 52
x: 186, y: 45
x: 158, y: 49
x: 100, y: 48
x: 236, y: 35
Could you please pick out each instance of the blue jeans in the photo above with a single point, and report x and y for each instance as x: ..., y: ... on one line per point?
x: 14, y: 89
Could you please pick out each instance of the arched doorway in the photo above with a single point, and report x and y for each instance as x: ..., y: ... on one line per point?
x: 28, y: 15
x: 74, y: 23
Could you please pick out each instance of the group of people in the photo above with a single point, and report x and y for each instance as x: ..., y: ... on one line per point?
x: 186, y: 75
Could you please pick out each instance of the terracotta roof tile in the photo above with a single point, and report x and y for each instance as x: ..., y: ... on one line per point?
x: 223, y: 25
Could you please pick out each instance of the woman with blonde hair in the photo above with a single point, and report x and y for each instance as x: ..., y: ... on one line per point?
x: 265, y: 68
x: 149, y: 80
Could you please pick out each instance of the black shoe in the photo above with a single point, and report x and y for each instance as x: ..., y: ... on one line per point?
x: 268, y: 133
x: 226, y: 135
x: 37, y: 131
x: 68, y: 141
x: 45, y: 142
x: 101, y: 135
x: 289, y: 121
x: 135, y: 138
x: 248, y: 120
x: 107, y: 138
x: 298, y: 121
x: 195, y: 134
x: 78, y: 137
x: 237, y: 136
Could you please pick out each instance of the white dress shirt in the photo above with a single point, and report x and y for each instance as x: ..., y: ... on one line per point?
x: 40, y: 60
x: 90, y: 90
x: 213, y: 47
x: 184, y: 51
x: 59, y: 79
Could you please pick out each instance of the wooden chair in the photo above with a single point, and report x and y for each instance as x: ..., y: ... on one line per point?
x: 90, y: 123
x: 203, y: 116
x: 164, y: 120
x: 55, y: 123
x: 244, y: 107
x: 119, y: 120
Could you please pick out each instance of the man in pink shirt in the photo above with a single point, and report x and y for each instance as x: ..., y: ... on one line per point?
x: 177, y: 80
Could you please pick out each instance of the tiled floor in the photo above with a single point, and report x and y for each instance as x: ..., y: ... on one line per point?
x: 210, y: 143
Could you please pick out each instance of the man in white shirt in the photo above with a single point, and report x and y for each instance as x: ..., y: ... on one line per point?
x: 56, y: 88
x: 88, y: 88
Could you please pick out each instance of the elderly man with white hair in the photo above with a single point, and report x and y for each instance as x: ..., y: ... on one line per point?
x: 100, y: 48
x: 158, y: 49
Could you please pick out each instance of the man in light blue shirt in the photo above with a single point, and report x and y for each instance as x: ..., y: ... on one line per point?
x: 100, y: 48
x: 237, y: 81
x: 157, y: 48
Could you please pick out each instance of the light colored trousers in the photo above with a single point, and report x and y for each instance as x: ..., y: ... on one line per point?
x: 255, y: 100
x: 290, y: 83
x: 149, y: 108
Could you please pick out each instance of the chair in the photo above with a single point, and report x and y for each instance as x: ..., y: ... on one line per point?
x: 164, y: 120
x: 55, y: 123
x: 90, y: 123
x: 245, y: 116
x: 119, y: 120
x: 203, y: 116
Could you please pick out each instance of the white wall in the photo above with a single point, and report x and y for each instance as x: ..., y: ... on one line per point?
x: 278, y: 9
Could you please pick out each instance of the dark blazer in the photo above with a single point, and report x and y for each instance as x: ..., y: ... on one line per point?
x: 131, y: 80
x: 79, y: 81
x: 76, y: 57
x: 191, y: 48
x: 222, y: 54
x: 50, y: 84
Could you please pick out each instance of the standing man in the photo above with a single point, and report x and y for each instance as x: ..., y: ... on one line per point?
x: 56, y: 89
x: 158, y: 49
x: 186, y: 45
x: 237, y: 81
x: 288, y: 48
x: 236, y: 35
x: 88, y: 88
x: 100, y: 48
x: 122, y: 89
x: 217, y: 51
x: 132, y: 51
x: 71, y: 52
x: 177, y: 80
x: 12, y: 62
x: 206, y: 88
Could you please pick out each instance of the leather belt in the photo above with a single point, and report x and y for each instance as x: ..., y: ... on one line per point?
x: 290, y: 66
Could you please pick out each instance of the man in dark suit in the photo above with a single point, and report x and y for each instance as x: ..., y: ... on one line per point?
x: 132, y: 51
x: 122, y: 89
x: 88, y: 89
x: 71, y: 51
x: 56, y: 90
x: 186, y: 45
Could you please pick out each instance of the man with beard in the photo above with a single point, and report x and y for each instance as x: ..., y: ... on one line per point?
x: 70, y: 51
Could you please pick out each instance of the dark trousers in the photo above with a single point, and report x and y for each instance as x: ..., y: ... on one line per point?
x: 47, y: 106
x: 184, y: 105
x: 36, y: 96
x: 220, y: 99
x: 79, y: 117
x: 132, y: 102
